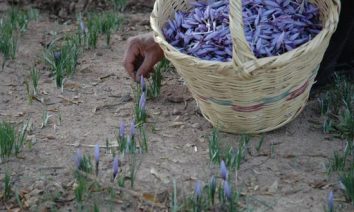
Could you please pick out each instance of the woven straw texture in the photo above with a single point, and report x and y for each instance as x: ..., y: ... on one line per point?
x: 248, y: 95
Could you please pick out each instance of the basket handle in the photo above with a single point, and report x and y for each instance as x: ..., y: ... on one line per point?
x: 242, y: 53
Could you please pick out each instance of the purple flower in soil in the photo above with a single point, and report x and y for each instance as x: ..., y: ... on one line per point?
x: 331, y: 201
x: 78, y: 158
x: 142, y: 101
x: 97, y: 157
x: 223, y: 170
x: 198, y: 189
x: 115, y: 167
x: 227, y: 190
x: 142, y: 83
x: 97, y: 153
x: 57, y: 55
x: 132, y: 129
x: 122, y: 129
x: 83, y: 27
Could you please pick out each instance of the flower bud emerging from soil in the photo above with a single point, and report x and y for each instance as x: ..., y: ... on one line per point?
x: 227, y: 190
x: 132, y: 128
x: 97, y: 157
x: 57, y: 55
x: 122, y: 129
x: 83, y: 27
x: 223, y: 170
x: 198, y: 189
x: 142, y: 83
x: 330, y: 202
x: 97, y: 153
x: 115, y: 167
x: 142, y: 102
x: 78, y: 158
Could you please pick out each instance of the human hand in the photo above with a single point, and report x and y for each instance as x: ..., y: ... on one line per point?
x: 141, y: 54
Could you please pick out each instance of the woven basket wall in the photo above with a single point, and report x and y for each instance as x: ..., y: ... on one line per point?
x: 249, y: 95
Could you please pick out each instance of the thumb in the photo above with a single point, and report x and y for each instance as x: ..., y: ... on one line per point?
x: 145, y: 68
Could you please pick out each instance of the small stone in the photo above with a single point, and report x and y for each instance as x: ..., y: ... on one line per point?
x: 176, y: 112
x: 196, y: 125
x: 165, y: 113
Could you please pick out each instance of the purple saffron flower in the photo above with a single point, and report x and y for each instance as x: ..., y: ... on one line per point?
x: 83, y: 27
x: 223, y: 170
x: 198, y: 189
x: 115, y: 167
x: 97, y: 153
x: 132, y: 128
x: 227, y: 190
x: 57, y: 55
x: 122, y: 129
x: 331, y: 201
x: 142, y: 101
x: 142, y: 83
x: 78, y: 158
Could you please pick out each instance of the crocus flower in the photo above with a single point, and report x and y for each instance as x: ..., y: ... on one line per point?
x: 330, y: 201
x: 97, y: 153
x: 132, y: 128
x: 78, y: 158
x: 122, y: 129
x: 57, y: 55
x: 223, y: 170
x: 142, y: 101
x: 115, y: 167
x: 97, y: 157
x: 198, y: 189
x: 227, y: 190
x: 142, y: 83
x: 83, y: 27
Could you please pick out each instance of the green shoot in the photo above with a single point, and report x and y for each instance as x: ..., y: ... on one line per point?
x: 174, y: 205
x: 11, y: 142
x: 119, y: 5
x: 35, y: 80
x: 214, y: 148
x: 134, y: 164
x: 45, y: 118
x: 260, y: 143
x: 109, y: 23
x: 93, y: 27
x: 155, y: 87
x: 7, y: 186
x: 8, y: 41
x: 80, y: 189
x: 347, y: 181
x: 63, y: 59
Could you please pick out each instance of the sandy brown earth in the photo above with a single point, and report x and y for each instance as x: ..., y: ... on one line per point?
x: 288, y: 174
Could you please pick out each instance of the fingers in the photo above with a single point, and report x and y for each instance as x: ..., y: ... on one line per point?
x: 130, y: 56
x: 146, y: 67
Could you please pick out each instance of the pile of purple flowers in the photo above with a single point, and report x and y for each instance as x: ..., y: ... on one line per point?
x: 271, y: 27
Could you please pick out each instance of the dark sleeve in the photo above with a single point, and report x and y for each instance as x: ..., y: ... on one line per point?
x: 341, y: 48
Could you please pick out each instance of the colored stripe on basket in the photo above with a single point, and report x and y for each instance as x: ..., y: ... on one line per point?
x: 298, y: 91
x: 248, y: 108
x: 268, y: 100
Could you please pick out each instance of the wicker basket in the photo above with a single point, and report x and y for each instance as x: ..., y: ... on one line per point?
x: 248, y: 95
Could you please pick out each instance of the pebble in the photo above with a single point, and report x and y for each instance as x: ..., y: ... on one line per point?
x: 176, y: 112
x: 196, y: 125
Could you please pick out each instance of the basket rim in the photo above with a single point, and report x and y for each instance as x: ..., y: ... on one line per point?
x: 328, y: 27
